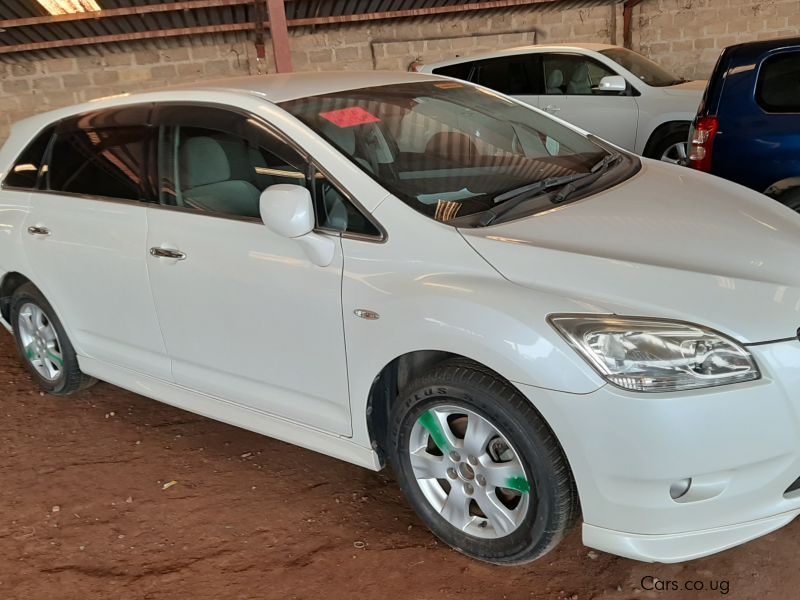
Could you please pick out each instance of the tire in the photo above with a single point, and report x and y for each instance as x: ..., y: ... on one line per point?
x: 43, y: 344
x: 537, y: 490
x: 665, y: 145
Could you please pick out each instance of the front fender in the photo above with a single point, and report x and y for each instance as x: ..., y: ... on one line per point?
x: 432, y: 291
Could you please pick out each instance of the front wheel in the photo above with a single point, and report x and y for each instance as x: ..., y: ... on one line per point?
x: 480, y: 466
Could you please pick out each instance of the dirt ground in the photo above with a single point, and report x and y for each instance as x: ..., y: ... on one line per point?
x: 83, y: 514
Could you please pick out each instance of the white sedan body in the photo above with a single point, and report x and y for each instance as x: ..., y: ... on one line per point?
x: 253, y: 330
x: 628, y: 120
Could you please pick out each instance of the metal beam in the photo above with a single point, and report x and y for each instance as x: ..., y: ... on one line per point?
x: 279, y: 33
x: 125, y: 37
x: 119, y: 12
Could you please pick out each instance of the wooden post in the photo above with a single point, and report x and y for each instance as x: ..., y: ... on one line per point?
x: 279, y: 32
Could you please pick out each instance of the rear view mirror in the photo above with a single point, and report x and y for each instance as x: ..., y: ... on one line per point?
x: 612, y: 83
x: 288, y: 210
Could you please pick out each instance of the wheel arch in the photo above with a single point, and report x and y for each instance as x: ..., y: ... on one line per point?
x: 784, y: 186
x: 389, y: 383
x: 662, y: 130
x: 10, y: 283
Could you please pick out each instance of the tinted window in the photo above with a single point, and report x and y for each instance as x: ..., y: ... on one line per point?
x: 507, y: 74
x: 25, y: 171
x: 220, y: 161
x: 459, y: 71
x: 573, y: 74
x: 105, y: 162
x: 779, y: 83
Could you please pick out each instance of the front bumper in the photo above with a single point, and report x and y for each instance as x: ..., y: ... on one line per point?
x: 739, y: 444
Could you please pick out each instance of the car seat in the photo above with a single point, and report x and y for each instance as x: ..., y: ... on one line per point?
x: 554, y: 82
x: 580, y: 83
x: 207, y: 183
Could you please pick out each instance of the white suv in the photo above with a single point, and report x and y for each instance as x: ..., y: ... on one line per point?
x: 610, y: 91
x: 528, y: 323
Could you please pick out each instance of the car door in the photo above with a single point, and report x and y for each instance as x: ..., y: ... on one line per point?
x: 569, y: 93
x: 246, y: 316
x: 86, y: 234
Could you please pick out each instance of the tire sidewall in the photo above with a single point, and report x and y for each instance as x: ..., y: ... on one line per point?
x: 30, y: 295
x: 534, y: 531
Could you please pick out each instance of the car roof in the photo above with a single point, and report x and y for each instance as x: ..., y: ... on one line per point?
x: 751, y: 50
x: 291, y: 86
x: 521, y: 50
x: 273, y: 88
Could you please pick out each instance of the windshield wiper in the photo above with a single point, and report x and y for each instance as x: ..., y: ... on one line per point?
x: 515, y: 197
x: 587, y: 179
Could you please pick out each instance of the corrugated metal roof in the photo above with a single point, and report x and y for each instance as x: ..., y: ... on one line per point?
x: 216, y: 15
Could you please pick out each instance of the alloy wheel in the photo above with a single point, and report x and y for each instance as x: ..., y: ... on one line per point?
x: 40, y: 342
x: 676, y: 153
x: 469, y: 472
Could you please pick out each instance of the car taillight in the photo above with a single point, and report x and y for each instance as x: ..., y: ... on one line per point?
x: 701, y: 143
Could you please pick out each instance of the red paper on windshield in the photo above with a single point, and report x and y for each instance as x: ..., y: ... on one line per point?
x: 349, y: 117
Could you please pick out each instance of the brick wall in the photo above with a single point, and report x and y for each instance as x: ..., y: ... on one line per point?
x: 684, y: 35
x: 31, y: 86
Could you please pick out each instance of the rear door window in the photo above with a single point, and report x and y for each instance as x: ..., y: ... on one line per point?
x: 778, y: 89
x: 102, y: 154
x: 506, y: 74
x: 459, y: 71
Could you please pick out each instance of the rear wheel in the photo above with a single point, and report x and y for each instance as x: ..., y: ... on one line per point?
x: 43, y: 344
x: 480, y: 466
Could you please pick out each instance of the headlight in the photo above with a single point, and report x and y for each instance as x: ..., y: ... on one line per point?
x: 652, y: 355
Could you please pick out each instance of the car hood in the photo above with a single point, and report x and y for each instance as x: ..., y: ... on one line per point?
x: 687, y: 88
x: 668, y: 242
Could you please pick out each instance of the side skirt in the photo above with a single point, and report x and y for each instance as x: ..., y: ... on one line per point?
x: 232, y: 413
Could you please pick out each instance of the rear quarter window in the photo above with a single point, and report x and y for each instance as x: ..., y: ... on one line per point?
x: 778, y: 88
x: 25, y: 172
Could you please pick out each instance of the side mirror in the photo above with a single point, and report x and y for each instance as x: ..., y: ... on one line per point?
x: 287, y: 210
x: 612, y: 83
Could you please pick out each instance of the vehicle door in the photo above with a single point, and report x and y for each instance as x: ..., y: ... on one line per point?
x: 86, y: 235
x: 570, y: 93
x: 246, y: 316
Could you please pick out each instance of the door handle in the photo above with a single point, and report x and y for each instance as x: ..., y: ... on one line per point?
x: 38, y: 230
x: 167, y: 253
x: 552, y: 108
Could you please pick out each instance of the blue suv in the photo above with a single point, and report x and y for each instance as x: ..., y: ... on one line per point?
x: 748, y: 126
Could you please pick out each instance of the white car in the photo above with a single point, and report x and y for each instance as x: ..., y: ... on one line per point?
x: 528, y: 323
x: 610, y: 91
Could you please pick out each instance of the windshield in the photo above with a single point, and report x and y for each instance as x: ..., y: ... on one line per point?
x: 446, y: 148
x: 644, y: 68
